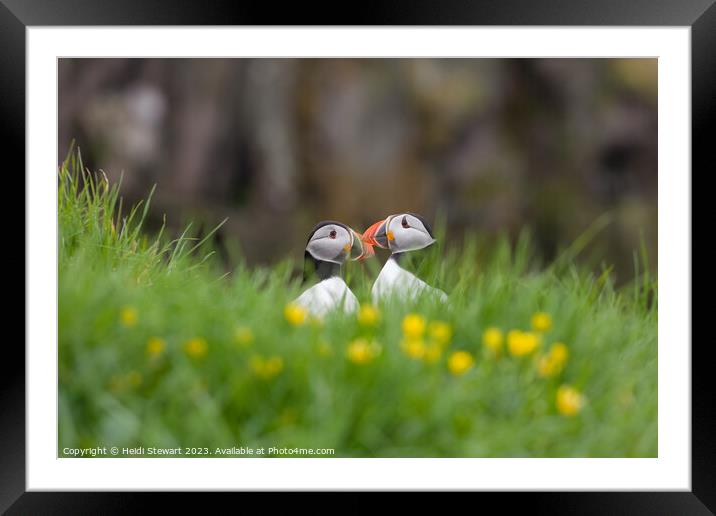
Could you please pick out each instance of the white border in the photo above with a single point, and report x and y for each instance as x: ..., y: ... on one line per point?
x: 670, y: 471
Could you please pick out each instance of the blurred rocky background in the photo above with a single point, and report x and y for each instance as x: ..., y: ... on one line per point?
x: 489, y: 145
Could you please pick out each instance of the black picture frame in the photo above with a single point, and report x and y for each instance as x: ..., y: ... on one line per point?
x: 700, y: 15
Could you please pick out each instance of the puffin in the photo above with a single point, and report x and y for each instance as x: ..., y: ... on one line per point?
x: 330, y: 244
x: 401, y: 234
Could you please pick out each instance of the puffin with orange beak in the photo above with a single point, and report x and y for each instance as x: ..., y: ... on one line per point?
x: 330, y: 244
x: 400, y: 234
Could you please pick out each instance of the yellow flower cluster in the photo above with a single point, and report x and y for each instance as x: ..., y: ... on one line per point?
x: 196, y: 347
x: 414, y: 327
x: 295, y: 314
x: 569, y: 400
x: 492, y: 339
x: 460, y: 362
x: 440, y: 332
x: 521, y: 343
x: 155, y: 346
x: 541, y: 322
x: 362, y: 351
x: 414, y: 348
x: 128, y: 316
x: 368, y: 316
x: 266, y: 368
x: 553, y: 362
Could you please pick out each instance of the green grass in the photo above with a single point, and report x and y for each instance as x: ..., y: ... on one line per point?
x: 119, y: 287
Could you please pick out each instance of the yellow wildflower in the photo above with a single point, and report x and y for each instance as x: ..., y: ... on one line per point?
x: 266, y: 368
x: 440, y: 332
x: 541, y: 321
x: 295, y: 315
x: 433, y: 352
x: 413, y: 326
x: 155, y: 346
x: 274, y: 366
x: 554, y: 361
x: 196, y: 347
x: 521, y: 343
x: 559, y: 352
x: 243, y: 336
x: 569, y: 400
x: 460, y: 362
x: 414, y: 348
x: 492, y: 339
x: 362, y: 351
x: 368, y: 315
x: 128, y: 316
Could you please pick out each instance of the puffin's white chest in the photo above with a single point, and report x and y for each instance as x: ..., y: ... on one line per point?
x: 393, y: 280
x: 328, y: 295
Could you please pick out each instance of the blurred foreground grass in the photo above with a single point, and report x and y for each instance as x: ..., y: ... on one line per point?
x: 158, y: 348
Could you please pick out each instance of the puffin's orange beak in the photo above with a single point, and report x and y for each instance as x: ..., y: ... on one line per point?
x: 369, y: 240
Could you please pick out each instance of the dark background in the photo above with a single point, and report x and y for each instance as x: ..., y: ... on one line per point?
x: 488, y: 145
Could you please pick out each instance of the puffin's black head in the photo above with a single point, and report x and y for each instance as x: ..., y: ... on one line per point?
x: 331, y: 242
x: 406, y: 232
x: 399, y: 233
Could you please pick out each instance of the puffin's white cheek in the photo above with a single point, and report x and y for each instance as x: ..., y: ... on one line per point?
x: 408, y: 240
x: 412, y: 240
x: 325, y: 249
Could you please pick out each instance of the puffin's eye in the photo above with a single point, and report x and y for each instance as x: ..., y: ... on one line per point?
x: 332, y: 234
x: 405, y: 222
